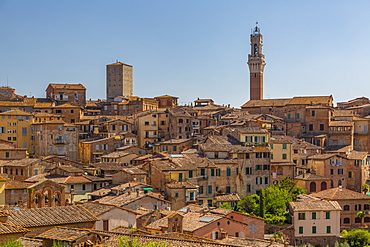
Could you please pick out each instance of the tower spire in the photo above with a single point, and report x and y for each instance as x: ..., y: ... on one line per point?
x: 256, y: 64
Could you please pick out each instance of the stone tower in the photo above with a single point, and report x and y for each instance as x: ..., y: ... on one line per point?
x: 119, y: 80
x: 256, y: 64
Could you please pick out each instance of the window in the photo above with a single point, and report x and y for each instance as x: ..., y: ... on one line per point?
x: 266, y: 180
x: 176, y: 194
x: 284, y: 156
x: 83, y: 186
x: 200, y: 202
x: 24, y: 131
x: 248, y: 188
x: 331, y: 171
x: 314, y: 229
x: 266, y: 167
x: 218, y: 172
x: 313, y: 113
x: 181, y: 120
x: 258, y: 167
x: 210, y: 189
x: 297, y: 115
x: 313, y: 216
x: 322, y: 127
x: 310, y: 127
x: 328, y: 229
x: 253, y: 228
x: 237, y: 171
x: 228, y: 190
x: 340, y: 171
x: 190, y: 174
x: 327, y: 215
x: 202, y: 171
x: 284, y: 145
x: 301, y: 216
x: 358, y: 207
x: 248, y: 171
x: 146, y: 123
x: 346, y: 208
x: 288, y: 115
x: 212, y: 172
x: 36, y: 171
x: 7, y: 154
x: 228, y: 172
x: 201, y: 190
x: 349, y: 174
x: 258, y: 180
x: 346, y: 221
x: 301, y: 230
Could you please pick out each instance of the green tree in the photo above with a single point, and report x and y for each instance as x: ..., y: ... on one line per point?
x: 262, y: 208
x: 357, y: 237
x: 361, y: 215
x: 133, y: 242
x: 226, y: 205
x: 249, y: 205
x: 365, y: 188
x: 12, y: 243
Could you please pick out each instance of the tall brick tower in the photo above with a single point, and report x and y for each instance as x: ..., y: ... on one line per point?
x: 119, y: 80
x: 256, y: 64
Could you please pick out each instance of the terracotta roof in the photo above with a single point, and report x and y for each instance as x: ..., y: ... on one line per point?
x: 66, y: 86
x: 14, y: 184
x: 66, y: 105
x: 308, y: 100
x: 191, y: 221
x: 118, y: 63
x: 166, y: 96
x: 30, y: 242
x: 227, y: 198
x: 174, y: 141
x: 37, y: 217
x: 76, y: 180
x: 97, y: 208
x: 11, y: 229
x: 310, y: 176
x: 134, y: 171
x: 22, y: 162
x: 64, y: 233
x: 124, y: 199
x: 16, y: 112
x: 315, y: 205
x: 340, y: 194
x: 181, y: 185
x: 341, y: 123
x: 356, y: 155
x: 117, y: 154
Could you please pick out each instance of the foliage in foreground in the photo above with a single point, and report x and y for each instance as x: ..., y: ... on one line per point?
x: 272, y: 203
x: 12, y: 243
x: 133, y: 242
x: 357, y: 237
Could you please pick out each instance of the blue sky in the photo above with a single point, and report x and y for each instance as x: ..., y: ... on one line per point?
x: 188, y: 49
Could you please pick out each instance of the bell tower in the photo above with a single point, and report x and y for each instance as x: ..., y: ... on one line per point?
x: 256, y: 64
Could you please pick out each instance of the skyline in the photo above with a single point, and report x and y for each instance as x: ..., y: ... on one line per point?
x: 187, y: 49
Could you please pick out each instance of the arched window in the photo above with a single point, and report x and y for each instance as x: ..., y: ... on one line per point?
x: 312, y: 187
x: 367, y: 219
x: 323, y: 186
x: 339, y: 182
x: 331, y: 184
x: 346, y: 207
x: 357, y: 220
x: 346, y: 221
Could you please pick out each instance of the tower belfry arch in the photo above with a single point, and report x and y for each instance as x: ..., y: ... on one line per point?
x: 256, y: 64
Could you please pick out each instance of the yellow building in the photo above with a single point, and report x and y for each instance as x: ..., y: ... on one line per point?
x: 15, y: 127
x: 281, y: 149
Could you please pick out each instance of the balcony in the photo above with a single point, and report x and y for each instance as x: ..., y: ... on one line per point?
x: 59, y: 141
